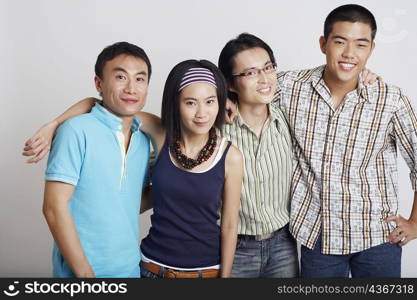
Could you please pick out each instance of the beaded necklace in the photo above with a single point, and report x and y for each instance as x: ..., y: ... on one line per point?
x: 205, y: 153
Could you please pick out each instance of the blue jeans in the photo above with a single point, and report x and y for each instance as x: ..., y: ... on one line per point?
x: 380, y: 261
x: 275, y: 257
x: 146, y: 274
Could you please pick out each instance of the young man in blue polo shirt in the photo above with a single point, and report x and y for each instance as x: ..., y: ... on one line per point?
x: 96, y: 171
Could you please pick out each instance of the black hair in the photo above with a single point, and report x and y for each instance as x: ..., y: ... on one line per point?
x: 349, y: 13
x: 170, y: 113
x: 117, y: 49
x: 242, y: 42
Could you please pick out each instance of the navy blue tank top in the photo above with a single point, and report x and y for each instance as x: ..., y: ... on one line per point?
x: 184, y: 231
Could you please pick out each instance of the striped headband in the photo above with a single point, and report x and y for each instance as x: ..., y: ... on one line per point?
x: 197, y: 75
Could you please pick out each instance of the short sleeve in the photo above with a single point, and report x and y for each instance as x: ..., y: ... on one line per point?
x: 66, y: 156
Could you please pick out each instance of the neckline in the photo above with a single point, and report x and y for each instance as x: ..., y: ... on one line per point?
x: 111, y: 120
x: 212, y: 165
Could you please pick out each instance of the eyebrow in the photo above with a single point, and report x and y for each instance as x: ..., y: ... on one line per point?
x: 123, y: 70
x: 268, y: 62
x: 345, y: 39
x: 195, y: 99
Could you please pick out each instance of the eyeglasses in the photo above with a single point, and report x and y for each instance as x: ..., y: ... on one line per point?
x: 254, y: 72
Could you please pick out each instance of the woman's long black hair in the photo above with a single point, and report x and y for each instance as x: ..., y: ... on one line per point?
x: 170, y: 113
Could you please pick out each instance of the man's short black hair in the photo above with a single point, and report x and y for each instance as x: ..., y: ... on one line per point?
x: 117, y: 49
x: 170, y: 113
x: 242, y: 42
x: 349, y: 13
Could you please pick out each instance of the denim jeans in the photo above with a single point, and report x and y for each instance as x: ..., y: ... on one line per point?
x: 275, y: 257
x: 146, y: 274
x: 380, y: 261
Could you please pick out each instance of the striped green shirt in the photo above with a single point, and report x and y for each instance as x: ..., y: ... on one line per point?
x: 264, y: 205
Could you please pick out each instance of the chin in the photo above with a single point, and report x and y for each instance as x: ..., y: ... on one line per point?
x: 265, y: 100
x: 199, y: 130
x: 347, y: 75
x: 347, y: 79
x: 127, y: 113
x: 202, y: 131
x: 132, y: 110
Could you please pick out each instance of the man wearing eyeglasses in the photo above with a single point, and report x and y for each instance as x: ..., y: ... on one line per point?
x: 345, y: 136
x: 265, y: 248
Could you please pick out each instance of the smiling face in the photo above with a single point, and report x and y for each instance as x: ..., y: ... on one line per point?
x: 347, y: 49
x: 259, y: 89
x: 198, y: 107
x: 124, y: 85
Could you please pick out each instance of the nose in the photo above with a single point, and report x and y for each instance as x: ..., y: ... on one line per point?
x: 348, y: 51
x: 201, y: 111
x: 130, y: 87
x: 262, y: 76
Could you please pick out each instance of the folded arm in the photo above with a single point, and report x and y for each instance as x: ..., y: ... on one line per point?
x: 406, y: 229
x: 405, y: 133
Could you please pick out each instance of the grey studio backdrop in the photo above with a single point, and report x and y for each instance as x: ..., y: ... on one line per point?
x: 48, y: 50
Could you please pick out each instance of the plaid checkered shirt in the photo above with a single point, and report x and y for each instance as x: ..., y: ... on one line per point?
x: 345, y: 179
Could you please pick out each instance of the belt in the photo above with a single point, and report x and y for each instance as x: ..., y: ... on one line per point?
x: 258, y: 237
x: 170, y: 273
x: 261, y: 237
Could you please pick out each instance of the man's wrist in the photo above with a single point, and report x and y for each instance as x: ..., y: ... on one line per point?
x: 55, y: 123
x: 88, y: 273
x: 82, y: 269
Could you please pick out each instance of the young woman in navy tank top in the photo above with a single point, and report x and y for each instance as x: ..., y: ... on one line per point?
x: 185, y: 239
x: 197, y: 177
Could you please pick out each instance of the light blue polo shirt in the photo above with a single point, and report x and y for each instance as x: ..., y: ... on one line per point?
x: 88, y: 152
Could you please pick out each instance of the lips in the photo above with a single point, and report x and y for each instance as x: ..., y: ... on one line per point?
x: 201, y: 124
x: 264, y: 91
x: 129, y: 100
x: 346, y: 66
